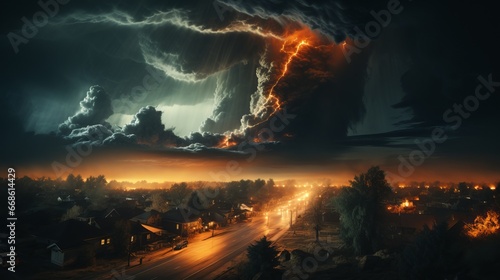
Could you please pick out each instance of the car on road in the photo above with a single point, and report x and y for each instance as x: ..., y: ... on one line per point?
x: 180, y: 245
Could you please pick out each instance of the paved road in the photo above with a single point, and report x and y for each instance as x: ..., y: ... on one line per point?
x: 203, y: 259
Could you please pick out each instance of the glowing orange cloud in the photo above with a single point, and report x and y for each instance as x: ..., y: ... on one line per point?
x: 295, y: 44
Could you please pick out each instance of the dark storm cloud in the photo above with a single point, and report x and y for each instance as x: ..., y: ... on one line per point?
x: 95, y: 133
x: 322, y: 92
x: 120, y: 139
x: 149, y: 129
x: 231, y: 98
x: 95, y: 108
x: 174, y: 40
x: 449, y: 51
x: 335, y: 19
x: 206, y: 139
x: 195, y: 147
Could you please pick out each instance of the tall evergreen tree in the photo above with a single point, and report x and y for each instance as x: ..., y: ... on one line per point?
x: 263, y: 258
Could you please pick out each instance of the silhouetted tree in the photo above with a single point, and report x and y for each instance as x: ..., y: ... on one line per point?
x: 74, y: 182
x: 359, y: 207
x: 179, y: 193
x: 262, y: 258
x: 198, y: 200
x: 256, y: 190
x: 159, y: 202
x: 95, y: 190
x: 96, y: 182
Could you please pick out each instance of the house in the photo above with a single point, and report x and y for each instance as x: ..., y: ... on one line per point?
x: 241, y: 214
x: 224, y: 209
x: 211, y: 219
x: 152, y: 218
x: 146, y: 237
x: 181, y: 222
x: 71, y: 241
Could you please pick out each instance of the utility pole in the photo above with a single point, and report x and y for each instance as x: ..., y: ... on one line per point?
x: 129, y: 245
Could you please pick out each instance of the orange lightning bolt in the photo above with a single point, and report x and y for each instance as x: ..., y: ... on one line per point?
x: 271, y: 98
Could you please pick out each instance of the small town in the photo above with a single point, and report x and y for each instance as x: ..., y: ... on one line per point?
x: 82, y: 228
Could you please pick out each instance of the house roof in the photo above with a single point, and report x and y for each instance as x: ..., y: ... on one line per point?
x: 175, y: 215
x: 107, y: 224
x: 70, y: 233
x: 152, y: 229
x: 213, y: 217
x: 144, y: 216
x: 128, y: 212
x: 139, y: 228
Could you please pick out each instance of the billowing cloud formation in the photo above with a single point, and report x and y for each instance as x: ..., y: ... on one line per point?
x: 336, y: 19
x: 95, y: 108
x: 95, y: 133
x: 206, y: 139
x: 313, y: 82
x: 258, y: 75
x: 148, y: 128
x: 232, y: 97
x: 120, y: 139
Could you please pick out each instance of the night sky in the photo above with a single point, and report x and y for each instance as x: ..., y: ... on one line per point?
x: 219, y: 91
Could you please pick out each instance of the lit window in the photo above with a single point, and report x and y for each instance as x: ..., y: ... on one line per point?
x: 103, y: 241
x: 148, y: 236
x: 177, y: 226
x: 132, y: 238
x: 108, y: 241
